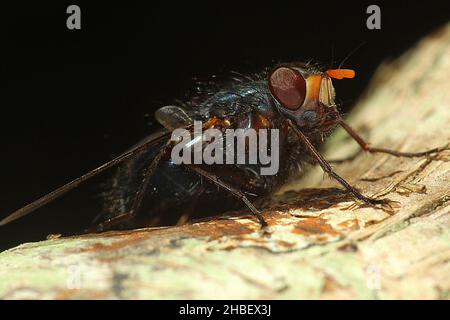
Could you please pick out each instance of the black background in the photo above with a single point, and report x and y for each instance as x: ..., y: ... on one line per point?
x: 280, y: 309
x: 75, y: 98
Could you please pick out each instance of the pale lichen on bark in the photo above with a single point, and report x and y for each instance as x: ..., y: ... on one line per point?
x: 320, y: 245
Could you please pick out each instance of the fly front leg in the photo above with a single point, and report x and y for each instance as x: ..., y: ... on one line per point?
x: 366, y: 147
x: 235, y: 192
x: 329, y: 170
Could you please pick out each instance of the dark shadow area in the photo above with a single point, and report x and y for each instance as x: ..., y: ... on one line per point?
x: 73, y: 99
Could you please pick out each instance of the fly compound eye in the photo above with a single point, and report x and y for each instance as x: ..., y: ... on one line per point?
x: 288, y: 86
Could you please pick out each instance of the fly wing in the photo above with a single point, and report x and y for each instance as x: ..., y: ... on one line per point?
x: 173, y: 117
x: 55, y: 194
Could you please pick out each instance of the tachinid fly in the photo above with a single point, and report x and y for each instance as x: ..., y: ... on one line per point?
x: 149, y: 189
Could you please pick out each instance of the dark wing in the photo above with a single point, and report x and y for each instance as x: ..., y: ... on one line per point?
x: 153, y: 139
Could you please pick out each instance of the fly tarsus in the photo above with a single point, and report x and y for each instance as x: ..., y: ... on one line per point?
x: 407, y: 154
x: 366, y: 147
x: 111, y: 222
x: 256, y: 212
x: 384, y: 204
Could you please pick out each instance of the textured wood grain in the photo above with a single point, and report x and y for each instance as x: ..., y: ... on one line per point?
x: 320, y: 245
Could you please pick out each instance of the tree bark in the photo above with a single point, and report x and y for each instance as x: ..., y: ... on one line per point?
x: 322, y: 244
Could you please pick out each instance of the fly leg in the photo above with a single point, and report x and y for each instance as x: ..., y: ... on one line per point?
x: 111, y: 222
x: 329, y: 170
x: 235, y: 192
x: 365, y: 146
x: 137, y: 202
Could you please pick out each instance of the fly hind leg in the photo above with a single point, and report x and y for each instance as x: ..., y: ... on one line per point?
x: 235, y: 192
x: 137, y: 202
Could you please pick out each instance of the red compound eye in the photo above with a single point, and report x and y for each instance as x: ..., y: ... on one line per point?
x: 288, y: 86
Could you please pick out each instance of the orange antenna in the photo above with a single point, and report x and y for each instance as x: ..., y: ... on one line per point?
x: 341, y: 73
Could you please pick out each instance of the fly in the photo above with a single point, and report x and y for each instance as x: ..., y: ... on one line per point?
x: 148, y: 188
